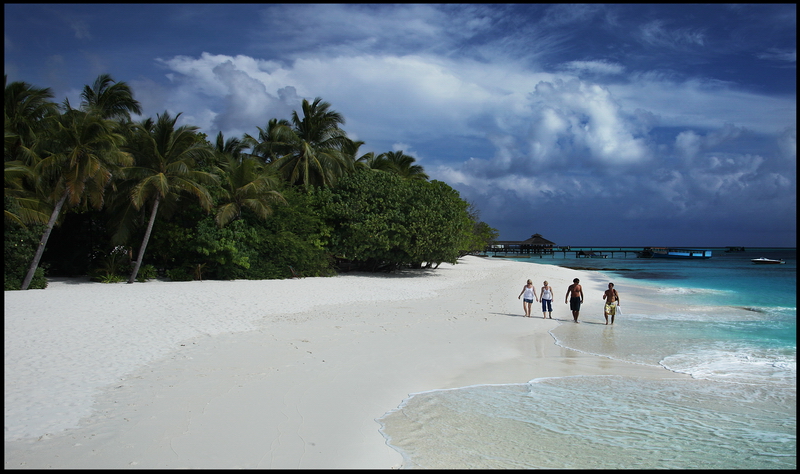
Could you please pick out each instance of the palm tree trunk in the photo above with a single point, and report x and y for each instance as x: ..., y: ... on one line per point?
x: 145, y: 240
x: 39, y: 251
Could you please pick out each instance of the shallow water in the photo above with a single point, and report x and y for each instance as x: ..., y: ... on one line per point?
x: 597, y: 422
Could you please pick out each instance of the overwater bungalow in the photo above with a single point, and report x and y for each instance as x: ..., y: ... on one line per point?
x: 536, y: 244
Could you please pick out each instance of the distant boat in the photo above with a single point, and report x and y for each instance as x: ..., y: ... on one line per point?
x: 766, y: 261
x: 672, y: 252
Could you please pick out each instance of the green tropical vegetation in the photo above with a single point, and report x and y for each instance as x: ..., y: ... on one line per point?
x: 86, y: 189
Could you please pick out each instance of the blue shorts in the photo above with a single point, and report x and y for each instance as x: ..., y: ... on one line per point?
x: 547, y: 306
x: 527, y: 300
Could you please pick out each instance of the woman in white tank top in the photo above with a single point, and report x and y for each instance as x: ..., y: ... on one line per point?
x: 530, y: 294
x: 547, y: 301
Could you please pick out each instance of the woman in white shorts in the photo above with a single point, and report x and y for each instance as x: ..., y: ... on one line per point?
x: 530, y: 294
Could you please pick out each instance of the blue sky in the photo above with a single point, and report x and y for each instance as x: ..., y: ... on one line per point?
x: 604, y: 125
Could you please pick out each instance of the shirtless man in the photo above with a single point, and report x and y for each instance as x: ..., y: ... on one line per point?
x: 575, y: 296
x: 611, y: 296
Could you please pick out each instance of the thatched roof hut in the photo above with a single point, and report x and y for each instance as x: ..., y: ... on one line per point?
x: 536, y: 244
x: 537, y: 240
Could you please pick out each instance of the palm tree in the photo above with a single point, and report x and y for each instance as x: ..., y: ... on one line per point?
x: 403, y: 165
x: 375, y: 162
x: 351, y: 149
x: 85, y: 152
x: 109, y: 100
x: 27, y: 113
x: 28, y: 207
x: 233, y: 147
x: 395, y: 162
x: 165, y: 169
x: 316, y: 143
x: 268, y: 146
x: 246, y: 182
x: 28, y: 116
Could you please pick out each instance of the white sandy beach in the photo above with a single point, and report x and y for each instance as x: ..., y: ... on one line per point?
x: 273, y: 373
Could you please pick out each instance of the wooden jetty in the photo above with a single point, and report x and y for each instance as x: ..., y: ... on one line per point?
x: 539, y: 246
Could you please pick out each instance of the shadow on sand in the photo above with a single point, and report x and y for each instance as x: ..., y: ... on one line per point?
x: 532, y: 316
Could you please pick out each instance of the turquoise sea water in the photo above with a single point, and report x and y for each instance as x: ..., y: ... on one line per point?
x: 728, y: 323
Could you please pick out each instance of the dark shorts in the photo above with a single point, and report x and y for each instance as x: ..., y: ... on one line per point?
x: 527, y: 300
x: 575, y: 303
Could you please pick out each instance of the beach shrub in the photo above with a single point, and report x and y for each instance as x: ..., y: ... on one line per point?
x: 180, y: 274
x: 438, y: 223
x: 146, y: 272
x: 116, y: 266
x: 380, y: 221
x: 364, y: 212
x: 171, y: 239
x: 110, y: 267
x: 19, y: 246
x: 193, y: 239
x: 221, y: 253
x: 294, y: 236
x: 111, y: 278
x: 481, y: 236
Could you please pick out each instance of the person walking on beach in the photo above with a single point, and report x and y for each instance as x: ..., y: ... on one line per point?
x: 547, y: 301
x: 611, y: 296
x: 530, y: 294
x: 575, y: 296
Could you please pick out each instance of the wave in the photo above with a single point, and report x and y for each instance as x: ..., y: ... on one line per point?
x: 720, y: 343
x: 739, y: 363
x: 680, y: 290
x: 715, y: 313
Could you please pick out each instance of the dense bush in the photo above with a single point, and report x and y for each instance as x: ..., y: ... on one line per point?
x: 380, y: 221
x: 192, y: 246
x: 112, y: 267
x: 482, y: 234
x: 294, y: 236
x: 146, y: 272
x: 438, y: 223
x: 19, y: 248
